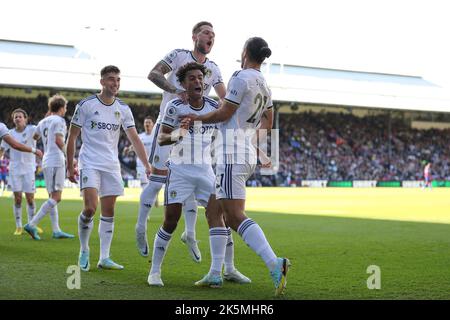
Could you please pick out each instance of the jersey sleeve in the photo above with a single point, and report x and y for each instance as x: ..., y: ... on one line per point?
x: 171, y: 59
x: 171, y: 116
x: 127, y: 118
x: 59, y: 127
x: 4, y: 145
x: 217, y: 76
x: 3, y: 130
x: 236, y: 91
x: 78, y: 117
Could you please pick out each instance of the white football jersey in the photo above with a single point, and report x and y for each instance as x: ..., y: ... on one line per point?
x: 147, y: 141
x: 21, y: 162
x: 194, y: 149
x: 100, y: 130
x: 47, y: 129
x: 3, y: 130
x: 178, y: 58
x: 248, y: 90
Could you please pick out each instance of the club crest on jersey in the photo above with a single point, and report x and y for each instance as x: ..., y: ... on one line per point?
x: 156, y: 158
x: 208, y: 73
x: 171, y: 56
x: 171, y: 111
x: 85, y: 179
x: 173, y: 194
x: 117, y: 114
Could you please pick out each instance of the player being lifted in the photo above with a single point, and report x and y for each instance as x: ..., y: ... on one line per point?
x: 22, y: 167
x: 203, y: 37
x: 99, y: 118
x: 247, y: 106
x: 190, y: 169
x: 52, y: 129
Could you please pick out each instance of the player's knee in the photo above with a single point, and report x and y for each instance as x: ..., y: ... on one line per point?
x: 89, y: 211
x: 170, y: 225
x: 56, y: 197
x: 17, y: 201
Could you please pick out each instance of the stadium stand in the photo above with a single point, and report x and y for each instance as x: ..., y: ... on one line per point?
x: 313, y: 145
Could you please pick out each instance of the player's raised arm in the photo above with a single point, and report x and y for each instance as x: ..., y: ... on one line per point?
x: 74, y: 132
x: 156, y: 76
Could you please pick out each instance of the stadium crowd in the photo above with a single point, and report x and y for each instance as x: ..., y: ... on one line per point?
x: 313, y: 146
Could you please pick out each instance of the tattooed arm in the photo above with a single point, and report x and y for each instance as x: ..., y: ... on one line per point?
x: 157, y: 77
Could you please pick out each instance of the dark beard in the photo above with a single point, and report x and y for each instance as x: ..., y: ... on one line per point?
x: 201, y: 50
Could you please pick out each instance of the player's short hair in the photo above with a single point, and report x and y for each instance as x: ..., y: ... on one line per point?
x: 109, y: 69
x: 149, y: 118
x: 258, y: 49
x: 19, y: 110
x: 196, y: 28
x: 56, y: 102
x: 181, y: 74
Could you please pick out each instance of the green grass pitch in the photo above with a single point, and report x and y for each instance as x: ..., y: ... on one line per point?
x: 331, y: 236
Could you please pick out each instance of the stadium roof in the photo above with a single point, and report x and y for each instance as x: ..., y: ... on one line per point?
x: 32, y: 64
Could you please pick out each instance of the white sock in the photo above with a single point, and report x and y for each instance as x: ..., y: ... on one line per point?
x: 160, y: 245
x: 54, y: 217
x: 105, y: 233
x: 148, y: 197
x: 17, y: 209
x: 85, y: 226
x: 229, y: 253
x: 190, y: 216
x: 31, y: 210
x: 254, y: 237
x: 217, y: 240
x: 44, y: 209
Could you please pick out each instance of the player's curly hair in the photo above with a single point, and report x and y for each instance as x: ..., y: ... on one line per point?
x: 181, y: 74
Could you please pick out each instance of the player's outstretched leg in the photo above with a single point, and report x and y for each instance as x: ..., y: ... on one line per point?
x: 254, y: 237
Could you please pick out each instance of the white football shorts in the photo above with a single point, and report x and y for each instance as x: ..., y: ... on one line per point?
x: 54, y: 178
x: 231, y: 179
x: 106, y: 183
x: 181, y: 184
x: 23, y: 183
